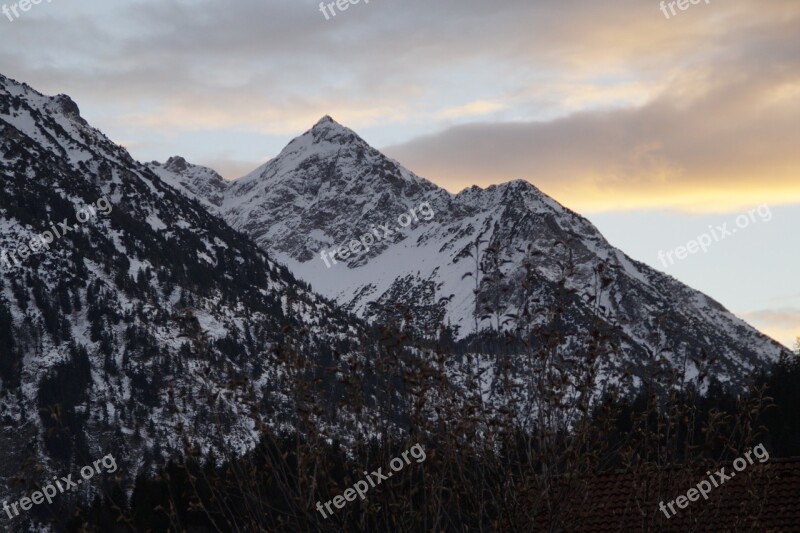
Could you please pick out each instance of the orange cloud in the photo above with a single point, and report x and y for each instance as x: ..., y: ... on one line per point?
x: 472, y: 109
x: 782, y: 325
x: 715, y: 140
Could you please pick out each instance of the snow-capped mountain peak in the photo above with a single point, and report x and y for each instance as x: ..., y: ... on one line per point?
x: 329, y: 188
x: 139, y: 315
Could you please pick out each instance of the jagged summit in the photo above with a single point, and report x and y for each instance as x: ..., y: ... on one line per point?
x: 328, y: 187
x: 514, y: 192
x: 60, y: 103
x: 327, y: 119
x: 147, y: 301
x: 199, y: 182
x: 327, y: 132
x: 155, y: 329
x: 176, y: 163
x: 327, y: 125
x: 327, y: 169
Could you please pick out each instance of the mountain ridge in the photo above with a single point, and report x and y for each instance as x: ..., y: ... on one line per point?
x: 328, y: 187
x: 151, y: 330
x: 170, y: 326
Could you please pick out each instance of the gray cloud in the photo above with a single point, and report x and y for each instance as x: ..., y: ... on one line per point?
x: 592, y: 92
x: 728, y: 121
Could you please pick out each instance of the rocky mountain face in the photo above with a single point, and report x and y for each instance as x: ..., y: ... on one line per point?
x: 148, y: 311
x: 133, y: 321
x: 195, y: 181
x: 481, y: 260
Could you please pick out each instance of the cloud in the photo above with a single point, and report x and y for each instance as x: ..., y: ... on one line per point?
x: 254, y: 115
x: 719, y: 134
x: 287, y: 53
x: 231, y: 169
x: 472, y: 109
x: 604, y: 105
x: 787, y: 317
x: 781, y: 324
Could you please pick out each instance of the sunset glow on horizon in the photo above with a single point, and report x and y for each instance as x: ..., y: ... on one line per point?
x: 626, y: 116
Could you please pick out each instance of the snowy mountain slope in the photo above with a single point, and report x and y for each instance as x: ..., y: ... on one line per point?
x: 155, y: 327
x: 201, y: 183
x: 147, y: 327
x: 328, y: 187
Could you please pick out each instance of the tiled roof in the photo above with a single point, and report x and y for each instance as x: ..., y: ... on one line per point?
x: 762, y: 497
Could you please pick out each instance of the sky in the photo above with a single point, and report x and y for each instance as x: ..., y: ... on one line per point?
x: 658, y: 128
